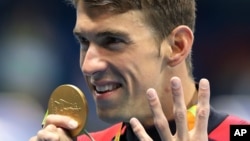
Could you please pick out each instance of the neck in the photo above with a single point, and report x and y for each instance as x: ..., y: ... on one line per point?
x: 188, y: 84
x: 193, y: 99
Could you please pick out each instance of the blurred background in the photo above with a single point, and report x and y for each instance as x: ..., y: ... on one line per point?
x: 38, y: 53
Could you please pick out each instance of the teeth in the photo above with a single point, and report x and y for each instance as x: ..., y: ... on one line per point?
x: 106, y: 88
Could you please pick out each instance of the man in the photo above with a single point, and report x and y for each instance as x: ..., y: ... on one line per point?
x: 136, y: 58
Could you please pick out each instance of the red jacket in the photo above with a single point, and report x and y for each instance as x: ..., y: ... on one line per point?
x: 219, y: 132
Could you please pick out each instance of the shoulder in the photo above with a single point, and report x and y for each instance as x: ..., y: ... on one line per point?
x: 106, y: 134
x: 221, y: 130
x: 231, y: 119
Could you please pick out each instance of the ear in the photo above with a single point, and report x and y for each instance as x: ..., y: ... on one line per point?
x: 181, y: 42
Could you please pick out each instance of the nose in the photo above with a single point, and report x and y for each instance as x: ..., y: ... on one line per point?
x: 93, y: 61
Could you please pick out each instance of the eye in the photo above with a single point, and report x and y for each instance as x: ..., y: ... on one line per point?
x: 112, y: 40
x: 84, y: 43
x: 112, y: 43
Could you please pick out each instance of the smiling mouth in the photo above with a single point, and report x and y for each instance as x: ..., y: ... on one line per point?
x: 106, y: 88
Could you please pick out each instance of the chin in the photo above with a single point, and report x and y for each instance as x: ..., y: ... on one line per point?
x: 112, y: 119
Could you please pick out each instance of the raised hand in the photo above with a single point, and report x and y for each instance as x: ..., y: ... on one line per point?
x: 198, y: 133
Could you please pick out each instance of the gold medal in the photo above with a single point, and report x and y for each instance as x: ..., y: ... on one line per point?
x: 70, y: 101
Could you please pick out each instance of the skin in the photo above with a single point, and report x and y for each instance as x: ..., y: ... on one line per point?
x: 120, y: 50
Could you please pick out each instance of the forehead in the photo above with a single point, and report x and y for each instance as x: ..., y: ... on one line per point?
x: 102, y: 14
x: 92, y: 21
x: 95, y: 10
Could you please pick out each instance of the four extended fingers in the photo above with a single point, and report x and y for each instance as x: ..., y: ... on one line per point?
x: 161, y: 123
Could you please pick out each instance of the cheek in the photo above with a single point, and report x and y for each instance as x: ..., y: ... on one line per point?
x: 150, y: 74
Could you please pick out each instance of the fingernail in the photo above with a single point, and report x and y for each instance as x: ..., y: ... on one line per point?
x: 204, y: 84
x: 133, y: 121
x: 73, y: 124
x: 151, y: 94
x: 175, y: 83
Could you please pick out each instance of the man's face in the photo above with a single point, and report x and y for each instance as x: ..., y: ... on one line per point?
x: 120, y: 61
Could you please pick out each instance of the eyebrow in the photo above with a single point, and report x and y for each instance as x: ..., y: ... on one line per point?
x: 112, y: 33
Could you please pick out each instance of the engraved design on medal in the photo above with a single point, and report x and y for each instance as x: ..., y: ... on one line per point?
x: 68, y: 107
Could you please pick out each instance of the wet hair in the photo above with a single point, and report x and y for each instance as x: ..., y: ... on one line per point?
x: 162, y: 16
